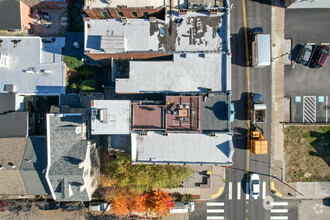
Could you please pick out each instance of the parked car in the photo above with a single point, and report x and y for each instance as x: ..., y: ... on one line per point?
x: 305, y: 54
x: 99, y: 207
x: 321, y: 55
x: 254, y: 185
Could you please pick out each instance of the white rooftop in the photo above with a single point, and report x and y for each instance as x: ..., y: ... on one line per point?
x: 197, y: 32
x: 129, y: 3
x: 47, y: 71
x: 182, y: 148
x: 110, y: 117
x: 186, y: 73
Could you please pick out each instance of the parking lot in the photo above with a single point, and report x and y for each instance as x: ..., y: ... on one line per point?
x: 307, y: 87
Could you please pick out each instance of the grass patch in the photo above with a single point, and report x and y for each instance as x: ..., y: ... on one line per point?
x: 308, y: 148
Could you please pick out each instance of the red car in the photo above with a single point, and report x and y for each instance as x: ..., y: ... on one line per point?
x: 321, y: 56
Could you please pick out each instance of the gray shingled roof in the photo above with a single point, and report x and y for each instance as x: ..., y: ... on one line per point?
x: 67, y: 150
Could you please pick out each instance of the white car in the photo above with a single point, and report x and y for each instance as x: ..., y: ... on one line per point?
x: 254, y: 185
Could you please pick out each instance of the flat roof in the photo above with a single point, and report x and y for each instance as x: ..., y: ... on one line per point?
x: 215, y: 112
x: 186, y: 73
x: 129, y: 3
x: 179, y: 114
x: 197, y: 32
x: 47, y: 74
x: 182, y: 148
x: 110, y: 117
x: 263, y: 49
x: 10, y: 14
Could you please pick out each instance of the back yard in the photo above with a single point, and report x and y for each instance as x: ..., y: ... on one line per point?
x: 307, y: 155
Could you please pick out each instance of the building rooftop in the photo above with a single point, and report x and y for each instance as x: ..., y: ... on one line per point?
x: 110, y: 117
x: 179, y: 114
x: 32, y: 65
x: 10, y: 16
x: 7, y: 102
x: 186, y: 73
x: 119, y: 3
x: 197, y: 32
x: 66, y: 150
x: 215, y: 113
x: 182, y: 148
x: 14, y: 124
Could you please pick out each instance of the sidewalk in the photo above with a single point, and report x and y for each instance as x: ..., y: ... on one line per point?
x: 299, y: 190
x: 201, y: 185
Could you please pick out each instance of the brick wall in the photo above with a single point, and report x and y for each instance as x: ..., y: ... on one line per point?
x: 105, y: 58
x: 116, y: 13
x: 26, y: 19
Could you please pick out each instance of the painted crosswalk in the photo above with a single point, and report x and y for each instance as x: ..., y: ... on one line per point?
x: 215, y: 210
x: 235, y: 191
x: 279, y: 211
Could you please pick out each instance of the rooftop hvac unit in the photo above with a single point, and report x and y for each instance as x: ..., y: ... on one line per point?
x: 94, y: 112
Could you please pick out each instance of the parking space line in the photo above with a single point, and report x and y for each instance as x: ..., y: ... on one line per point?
x: 238, y: 190
x: 326, y: 109
x: 230, y: 189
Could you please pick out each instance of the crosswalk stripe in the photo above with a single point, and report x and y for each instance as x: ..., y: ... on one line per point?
x: 279, y: 217
x: 215, y: 204
x: 215, y: 211
x: 279, y: 203
x: 230, y: 191
x: 215, y: 217
x: 247, y: 191
x: 263, y: 190
x: 278, y: 210
x: 239, y: 190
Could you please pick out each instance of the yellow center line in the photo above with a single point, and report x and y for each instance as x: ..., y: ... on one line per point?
x: 248, y: 88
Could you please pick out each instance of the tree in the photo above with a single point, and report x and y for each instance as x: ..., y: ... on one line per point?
x: 161, y: 203
x: 142, y: 178
x: 88, y: 85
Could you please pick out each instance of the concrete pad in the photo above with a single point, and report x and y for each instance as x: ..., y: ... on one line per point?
x: 316, y: 190
x: 313, y: 209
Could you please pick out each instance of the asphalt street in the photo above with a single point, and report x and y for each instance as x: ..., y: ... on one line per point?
x: 235, y: 203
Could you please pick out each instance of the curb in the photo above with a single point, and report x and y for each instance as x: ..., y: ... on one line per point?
x: 218, y: 194
x: 272, y: 186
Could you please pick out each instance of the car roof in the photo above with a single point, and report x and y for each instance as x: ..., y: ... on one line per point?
x: 325, y: 50
x: 254, y: 176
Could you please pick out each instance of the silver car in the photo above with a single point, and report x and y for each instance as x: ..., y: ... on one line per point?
x: 305, y: 54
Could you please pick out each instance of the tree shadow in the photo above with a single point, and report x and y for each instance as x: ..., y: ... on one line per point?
x: 322, y: 145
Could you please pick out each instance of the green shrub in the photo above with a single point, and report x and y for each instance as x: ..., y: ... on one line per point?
x: 88, y: 85
x: 73, y: 62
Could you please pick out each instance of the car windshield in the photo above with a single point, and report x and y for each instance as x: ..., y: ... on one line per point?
x: 255, y: 181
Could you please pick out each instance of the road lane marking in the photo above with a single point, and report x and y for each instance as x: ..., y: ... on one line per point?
x: 215, y: 211
x: 278, y: 210
x: 215, y: 217
x: 263, y: 190
x: 247, y: 191
x: 215, y: 204
x: 230, y: 195
x: 279, y: 203
x: 238, y: 190
x: 279, y: 217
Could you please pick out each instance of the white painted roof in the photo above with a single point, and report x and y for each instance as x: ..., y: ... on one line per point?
x: 263, y: 49
x: 116, y: 114
x: 49, y: 75
x: 182, y: 148
x: 186, y: 73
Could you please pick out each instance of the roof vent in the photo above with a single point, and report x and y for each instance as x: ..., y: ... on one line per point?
x: 150, y: 7
x: 78, y: 130
x: 152, y: 19
x: 9, y: 87
x: 183, y: 11
x: 214, y: 11
x: 123, y: 19
x: 144, y: 133
x: 124, y: 6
